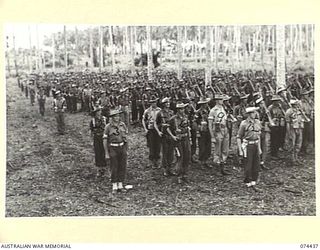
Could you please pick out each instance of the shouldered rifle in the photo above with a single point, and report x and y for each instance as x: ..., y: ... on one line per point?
x: 270, y: 88
x: 252, y: 86
x: 200, y: 92
x: 267, y: 113
x: 226, y: 107
x: 217, y: 87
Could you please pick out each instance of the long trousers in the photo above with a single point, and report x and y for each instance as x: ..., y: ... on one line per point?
x: 41, y: 107
x: 193, y: 141
x: 118, y: 163
x: 276, y: 140
x: 99, y: 152
x: 60, y: 122
x: 221, y: 148
x: 154, y: 144
x: 167, y: 153
x: 305, y: 137
x: 251, y: 163
x: 184, y: 159
x: 204, y: 145
x: 134, y: 111
x: 265, y: 145
x: 73, y: 100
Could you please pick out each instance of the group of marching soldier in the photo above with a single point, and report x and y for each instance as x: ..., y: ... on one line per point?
x: 181, y: 116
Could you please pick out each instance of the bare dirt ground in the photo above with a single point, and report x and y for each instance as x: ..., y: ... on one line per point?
x: 51, y: 175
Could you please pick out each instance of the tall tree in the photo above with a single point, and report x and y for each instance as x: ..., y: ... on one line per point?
x: 208, y: 61
x: 132, y: 48
x: 100, y: 48
x: 53, y: 53
x: 216, y: 48
x: 280, y: 56
x: 15, y: 55
x: 91, y: 48
x: 30, y: 62
x: 65, y: 47
x: 179, y: 43
x: 112, y: 49
x: 149, y: 52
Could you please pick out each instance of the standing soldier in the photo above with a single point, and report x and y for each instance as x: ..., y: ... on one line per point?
x: 219, y: 133
x: 140, y: 103
x: 240, y: 110
x: 97, y: 126
x: 266, y: 123
x: 248, y: 140
x: 41, y: 100
x: 163, y: 118
x: 277, y: 116
x: 134, y: 104
x: 105, y: 104
x: 295, y: 130
x: 205, y: 138
x: 32, y: 95
x: 124, y: 105
x: 73, y: 98
x: 86, y: 96
x: 179, y: 131
x: 153, y: 138
x: 115, y: 145
x: 307, y: 109
x: 59, y: 107
x: 191, y: 111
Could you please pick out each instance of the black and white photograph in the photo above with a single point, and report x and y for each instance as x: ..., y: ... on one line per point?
x: 127, y: 120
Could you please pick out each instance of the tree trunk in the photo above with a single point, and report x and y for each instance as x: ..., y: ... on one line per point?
x: 112, y: 49
x: 216, y: 48
x: 280, y: 56
x: 8, y: 55
x: 149, y: 52
x: 65, y: 47
x: 208, y: 61
x: 30, y: 52
x: 262, y: 37
x: 100, y: 48
x: 292, y: 43
x: 231, y: 56
x: 53, y: 53
x: 307, y: 39
x: 132, y: 49
x: 91, y: 48
x: 37, y: 51
x: 179, y: 43
x: 312, y: 37
x: 15, y: 55
x: 199, y: 44
x: 211, y: 44
x: 77, y: 47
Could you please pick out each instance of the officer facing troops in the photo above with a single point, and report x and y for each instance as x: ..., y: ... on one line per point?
x: 116, y: 146
x: 163, y: 118
x: 295, y: 124
x: 153, y: 138
x: 59, y: 107
x: 248, y: 141
x: 219, y: 133
x: 205, y: 139
x: 97, y: 126
x: 179, y: 131
x: 41, y: 101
